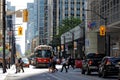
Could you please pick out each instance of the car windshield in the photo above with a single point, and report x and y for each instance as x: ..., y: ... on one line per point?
x: 94, y: 55
x: 25, y: 60
x: 115, y: 60
x: 43, y: 53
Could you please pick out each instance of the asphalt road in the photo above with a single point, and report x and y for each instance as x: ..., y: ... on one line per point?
x: 33, y: 73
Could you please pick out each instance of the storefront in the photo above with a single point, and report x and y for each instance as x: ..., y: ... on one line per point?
x: 72, y: 42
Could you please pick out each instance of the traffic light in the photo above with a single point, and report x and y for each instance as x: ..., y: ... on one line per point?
x: 25, y: 15
x: 20, y: 30
x: 102, y: 30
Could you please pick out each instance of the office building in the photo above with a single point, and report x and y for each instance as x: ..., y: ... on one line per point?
x: 109, y: 16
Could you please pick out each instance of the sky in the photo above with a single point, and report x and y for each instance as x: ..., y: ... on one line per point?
x: 20, y: 4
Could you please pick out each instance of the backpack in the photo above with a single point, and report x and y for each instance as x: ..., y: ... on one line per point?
x: 20, y: 61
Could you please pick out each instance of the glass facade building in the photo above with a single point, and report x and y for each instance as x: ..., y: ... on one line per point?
x: 31, y: 28
x: 43, y: 20
x: 67, y: 8
x: 30, y: 24
x: 109, y: 10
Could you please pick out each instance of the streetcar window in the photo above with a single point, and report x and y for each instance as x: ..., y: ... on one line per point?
x: 48, y: 53
x: 43, y: 53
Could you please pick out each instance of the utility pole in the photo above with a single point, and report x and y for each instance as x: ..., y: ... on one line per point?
x: 4, y: 28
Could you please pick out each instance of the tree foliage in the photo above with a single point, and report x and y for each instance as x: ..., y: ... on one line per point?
x: 68, y: 24
x: 28, y: 52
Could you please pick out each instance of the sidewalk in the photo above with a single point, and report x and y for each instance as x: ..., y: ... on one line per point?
x: 3, y: 75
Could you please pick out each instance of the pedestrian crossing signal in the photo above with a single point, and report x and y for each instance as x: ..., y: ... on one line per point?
x: 20, y: 30
x: 102, y: 30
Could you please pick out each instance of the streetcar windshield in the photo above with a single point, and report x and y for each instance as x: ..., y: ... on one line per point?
x: 43, y: 53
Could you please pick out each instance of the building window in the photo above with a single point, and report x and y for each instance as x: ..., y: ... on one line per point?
x: 78, y: 15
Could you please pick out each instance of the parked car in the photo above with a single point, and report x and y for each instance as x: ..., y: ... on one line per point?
x: 109, y: 66
x: 25, y: 62
x: 91, y: 63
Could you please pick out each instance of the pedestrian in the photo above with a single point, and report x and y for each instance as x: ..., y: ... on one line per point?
x: 64, y: 64
x: 16, y: 63
x: 54, y: 63
x: 50, y: 65
x: 70, y: 62
x: 1, y: 65
x: 7, y: 60
x: 20, y: 61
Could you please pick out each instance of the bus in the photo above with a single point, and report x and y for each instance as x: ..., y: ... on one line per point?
x: 42, y: 55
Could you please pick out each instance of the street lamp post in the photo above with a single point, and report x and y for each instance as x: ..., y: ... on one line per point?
x: 107, y: 46
x: 73, y: 44
x: 73, y: 54
x: 4, y: 28
x: 64, y: 46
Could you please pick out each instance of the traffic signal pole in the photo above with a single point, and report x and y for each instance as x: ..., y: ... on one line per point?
x: 107, y: 37
x: 13, y: 41
x: 4, y: 28
x: 107, y: 40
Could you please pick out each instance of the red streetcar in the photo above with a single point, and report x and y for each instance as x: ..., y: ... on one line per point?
x: 42, y: 55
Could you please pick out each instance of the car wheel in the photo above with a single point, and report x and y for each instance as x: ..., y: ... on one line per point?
x: 99, y: 73
x: 88, y: 71
x: 103, y: 74
x: 83, y: 71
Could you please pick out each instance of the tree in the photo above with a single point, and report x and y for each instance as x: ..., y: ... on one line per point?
x: 68, y: 24
x: 65, y: 26
x: 28, y: 52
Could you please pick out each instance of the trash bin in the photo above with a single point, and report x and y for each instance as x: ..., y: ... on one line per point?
x: 78, y: 63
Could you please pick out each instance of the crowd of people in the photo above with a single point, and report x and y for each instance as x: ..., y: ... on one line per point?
x: 18, y: 64
x: 66, y: 63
